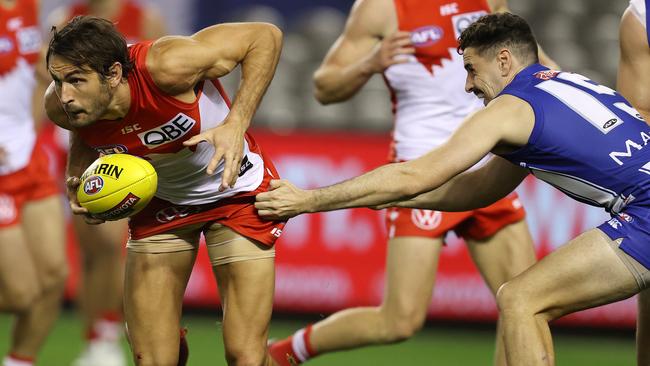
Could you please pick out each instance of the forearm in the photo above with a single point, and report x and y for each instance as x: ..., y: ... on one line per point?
x: 457, y: 195
x: 336, y: 84
x: 388, y: 183
x: 80, y: 156
x: 258, y: 68
x: 471, y: 190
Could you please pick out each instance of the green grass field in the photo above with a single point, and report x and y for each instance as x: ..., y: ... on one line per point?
x: 439, y: 345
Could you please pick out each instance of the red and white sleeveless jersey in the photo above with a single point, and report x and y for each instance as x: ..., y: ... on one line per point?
x: 429, y: 100
x: 20, y: 43
x: 156, y: 126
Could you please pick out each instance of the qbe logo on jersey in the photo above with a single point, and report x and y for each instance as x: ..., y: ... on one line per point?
x: 462, y: 21
x: 171, y: 131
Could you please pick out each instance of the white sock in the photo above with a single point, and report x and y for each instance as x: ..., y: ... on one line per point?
x: 10, y: 361
x: 299, y: 346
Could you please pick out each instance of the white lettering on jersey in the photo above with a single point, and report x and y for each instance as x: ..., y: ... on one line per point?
x: 629, y: 144
x: 449, y: 9
x: 173, y: 130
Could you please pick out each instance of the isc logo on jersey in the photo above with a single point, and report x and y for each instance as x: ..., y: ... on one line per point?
x: 171, y: 131
x: 426, y: 36
x: 462, y: 21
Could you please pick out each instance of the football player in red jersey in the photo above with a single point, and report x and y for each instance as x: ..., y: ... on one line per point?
x: 633, y: 83
x: 102, y: 265
x: 209, y: 169
x: 413, y: 44
x: 33, y: 265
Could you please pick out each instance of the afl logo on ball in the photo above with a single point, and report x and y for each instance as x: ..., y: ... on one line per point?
x: 93, y: 185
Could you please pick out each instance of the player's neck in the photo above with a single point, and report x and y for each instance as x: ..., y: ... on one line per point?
x: 120, y: 103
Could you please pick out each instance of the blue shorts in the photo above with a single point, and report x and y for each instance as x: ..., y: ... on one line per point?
x: 633, y: 226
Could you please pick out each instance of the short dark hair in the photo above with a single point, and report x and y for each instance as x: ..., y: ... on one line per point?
x: 92, y: 42
x: 498, y: 30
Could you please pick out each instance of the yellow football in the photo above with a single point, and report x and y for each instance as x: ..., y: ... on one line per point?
x: 117, y: 186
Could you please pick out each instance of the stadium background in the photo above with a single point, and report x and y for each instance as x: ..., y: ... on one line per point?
x: 334, y: 260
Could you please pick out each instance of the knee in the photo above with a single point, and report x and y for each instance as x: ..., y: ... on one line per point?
x: 514, y: 301
x: 401, y: 325
x: 18, y: 299
x: 53, y: 277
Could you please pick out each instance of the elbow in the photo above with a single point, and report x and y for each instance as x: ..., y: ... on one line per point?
x: 322, y: 94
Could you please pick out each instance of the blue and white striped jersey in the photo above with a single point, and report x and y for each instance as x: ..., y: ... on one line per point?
x: 588, y: 141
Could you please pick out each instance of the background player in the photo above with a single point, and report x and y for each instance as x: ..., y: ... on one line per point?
x: 102, y: 267
x: 633, y: 83
x: 560, y: 126
x: 413, y: 43
x: 33, y: 265
x: 169, y: 87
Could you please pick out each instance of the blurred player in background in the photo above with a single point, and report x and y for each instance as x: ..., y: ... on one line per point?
x: 102, y: 269
x: 413, y: 43
x: 161, y: 100
x: 633, y: 83
x: 559, y: 126
x: 33, y: 265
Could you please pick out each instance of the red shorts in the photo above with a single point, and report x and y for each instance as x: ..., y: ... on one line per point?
x: 475, y: 224
x: 33, y: 182
x: 237, y: 212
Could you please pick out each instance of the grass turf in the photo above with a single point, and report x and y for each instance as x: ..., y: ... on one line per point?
x: 436, y: 344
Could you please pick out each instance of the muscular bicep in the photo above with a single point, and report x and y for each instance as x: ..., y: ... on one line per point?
x: 504, y: 123
x: 177, y: 63
x: 633, y: 77
x: 368, y: 23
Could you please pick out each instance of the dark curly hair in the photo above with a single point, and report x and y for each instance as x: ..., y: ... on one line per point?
x: 493, y: 31
x: 92, y: 42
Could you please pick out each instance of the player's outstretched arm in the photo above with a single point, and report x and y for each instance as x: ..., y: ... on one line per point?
x: 369, y: 44
x: 470, y: 190
x: 507, y: 120
x: 176, y: 64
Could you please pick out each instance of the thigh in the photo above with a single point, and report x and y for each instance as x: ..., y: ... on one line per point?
x: 504, y: 255
x: 411, y: 266
x: 47, y: 243
x: 96, y: 239
x: 584, y: 273
x: 18, y: 277
x: 246, y: 286
x: 153, y: 294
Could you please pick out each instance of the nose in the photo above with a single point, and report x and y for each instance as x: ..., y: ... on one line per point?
x: 66, y: 94
x: 469, y: 84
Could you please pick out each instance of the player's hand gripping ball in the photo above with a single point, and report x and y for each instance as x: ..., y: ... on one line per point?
x: 117, y: 186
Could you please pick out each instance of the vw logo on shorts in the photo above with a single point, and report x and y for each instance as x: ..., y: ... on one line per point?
x: 426, y: 219
x: 93, y: 185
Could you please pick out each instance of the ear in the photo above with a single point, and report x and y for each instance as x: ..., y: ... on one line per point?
x: 115, y: 74
x: 504, y: 61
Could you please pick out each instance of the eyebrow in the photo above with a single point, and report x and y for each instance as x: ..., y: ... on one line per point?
x: 66, y: 76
